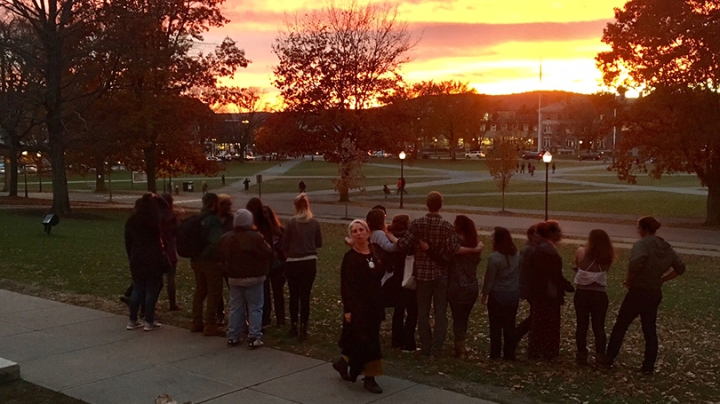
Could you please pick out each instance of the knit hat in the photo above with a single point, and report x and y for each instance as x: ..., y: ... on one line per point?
x: 243, y: 218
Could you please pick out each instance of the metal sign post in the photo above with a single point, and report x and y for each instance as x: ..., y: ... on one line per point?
x: 258, y: 178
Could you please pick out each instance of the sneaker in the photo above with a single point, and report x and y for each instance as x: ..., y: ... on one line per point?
x: 234, y: 342
x: 254, y: 343
x: 151, y: 326
x: 133, y: 325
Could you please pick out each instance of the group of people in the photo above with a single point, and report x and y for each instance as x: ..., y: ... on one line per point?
x: 442, y: 260
x: 249, y: 250
x: 417, y: 267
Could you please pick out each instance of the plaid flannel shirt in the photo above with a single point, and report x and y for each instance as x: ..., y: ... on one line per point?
x: 439, y: 234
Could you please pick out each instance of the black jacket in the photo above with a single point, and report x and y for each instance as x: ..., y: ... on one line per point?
x: 145, y: 249
x: 547, y: 281
x: 245, y: 254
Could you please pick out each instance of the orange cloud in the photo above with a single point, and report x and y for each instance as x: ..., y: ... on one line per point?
x: 494, y: 45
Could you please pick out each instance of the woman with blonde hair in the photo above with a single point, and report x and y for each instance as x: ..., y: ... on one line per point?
x: 360, y: 279
x: 300, y: 243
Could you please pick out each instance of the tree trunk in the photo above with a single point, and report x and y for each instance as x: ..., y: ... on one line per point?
x: 503, y: 199
x: 713, y: 203
x: 344, y: 195
x: 150, y: 167
x: 100, y: 177
x: 55, y: 127
x: 13, y: 170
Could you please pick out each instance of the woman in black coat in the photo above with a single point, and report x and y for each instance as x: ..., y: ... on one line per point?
x: 547, y: 287
x: 361, y: 275
x: 148, y: 261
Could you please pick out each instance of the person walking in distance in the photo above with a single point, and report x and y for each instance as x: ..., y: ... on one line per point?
x: 432, y: 276
x: 592, y: 262
x: 245, y: 256
x: 501, y: 294
x: 208, y: 272
x: 300, y: 243
x: 553, y: 167
x: 302, y: 187
x: 522, y: 168
x: 386, y: 191
x: 651, y: 259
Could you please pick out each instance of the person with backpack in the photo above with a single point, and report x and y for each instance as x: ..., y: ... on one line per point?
x: 245, y: 258
x: 198, y: 239
x: 302, y: 239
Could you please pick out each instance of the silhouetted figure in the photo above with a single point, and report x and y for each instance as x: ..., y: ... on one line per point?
x: 223, y: 179
x: 553, y: 167
x: 302, y: 187
x: 247, y: 184
x: 386, y: 191
x: 522, y: 168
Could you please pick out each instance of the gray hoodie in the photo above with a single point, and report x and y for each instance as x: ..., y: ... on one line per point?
x: 650, y: 258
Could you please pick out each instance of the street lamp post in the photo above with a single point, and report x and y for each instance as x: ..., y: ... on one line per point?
x: 25, y: 171
x: 547, y: 158
x: 40, y: 168
x: 402, y: 177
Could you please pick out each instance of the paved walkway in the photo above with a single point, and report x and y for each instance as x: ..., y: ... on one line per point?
x: 89, y: 355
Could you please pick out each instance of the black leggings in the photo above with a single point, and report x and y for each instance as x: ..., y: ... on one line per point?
x: 590, y: 304
x: 502, y: 328
x: 300, y: 277
x: 274, y: 296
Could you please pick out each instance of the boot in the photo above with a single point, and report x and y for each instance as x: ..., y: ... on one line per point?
x: 459, y: 350
x: 342, y: 368
x: 302, y: 333
x: 581, y: 358
x: 371, y: 385
x: 212, y: 330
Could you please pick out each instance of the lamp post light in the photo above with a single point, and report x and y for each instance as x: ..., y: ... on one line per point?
x: 25, y: 171
x: 547, y: 159
x: 40, y: 168
x: 402, y: 177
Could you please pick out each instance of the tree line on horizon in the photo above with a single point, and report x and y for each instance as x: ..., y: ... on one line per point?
x: 89, y: 83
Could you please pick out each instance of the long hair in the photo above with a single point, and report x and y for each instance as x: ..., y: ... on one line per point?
x: 302, y: 208
x: 375, y: 219
x: 548, y: 230
x: 275, y: 224
x: 146, y: 213
x: 466, y: 227
x: 599, y: 248
x: 503, y: 242
x: 255, y: 206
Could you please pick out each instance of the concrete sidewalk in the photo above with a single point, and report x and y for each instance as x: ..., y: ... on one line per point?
x: 88, y: 354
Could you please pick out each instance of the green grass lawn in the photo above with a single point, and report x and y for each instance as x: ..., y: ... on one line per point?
x: 233, y: 171
x: 689, y: 181
x: 633, y: 203
x: 85, y: 256
x: 280, y: 184
x: 324, y: 168
x: 489, y: 186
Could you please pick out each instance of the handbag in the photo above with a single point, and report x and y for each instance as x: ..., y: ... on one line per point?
x: 408, y: 281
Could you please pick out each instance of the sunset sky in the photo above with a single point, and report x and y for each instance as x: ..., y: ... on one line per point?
x: 494, y: 45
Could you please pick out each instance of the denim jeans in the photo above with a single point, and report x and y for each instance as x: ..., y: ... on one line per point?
x: 145, y: 291
x: 246, y: 299
x: 432, y: 293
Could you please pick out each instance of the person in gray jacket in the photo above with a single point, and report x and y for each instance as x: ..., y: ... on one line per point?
x: 246, y: 260
x: 651, y: 258
x: 300, y: 243
x: 501, y: 294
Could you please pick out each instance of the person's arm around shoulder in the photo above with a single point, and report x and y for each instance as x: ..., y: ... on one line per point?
x: 409, y: 239
x: 678, y: 268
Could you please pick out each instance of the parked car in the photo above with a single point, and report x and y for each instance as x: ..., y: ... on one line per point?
x: 251, y: 157
x: 594, y: 156
x: 380, y: 153
x: 533, y: 156
x: 212, y: 158
x: 474, y: 153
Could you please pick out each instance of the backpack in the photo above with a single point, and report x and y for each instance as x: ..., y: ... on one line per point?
x: 190, y: 240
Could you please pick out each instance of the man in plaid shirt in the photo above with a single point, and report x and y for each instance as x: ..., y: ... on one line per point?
x: 432, y: 276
